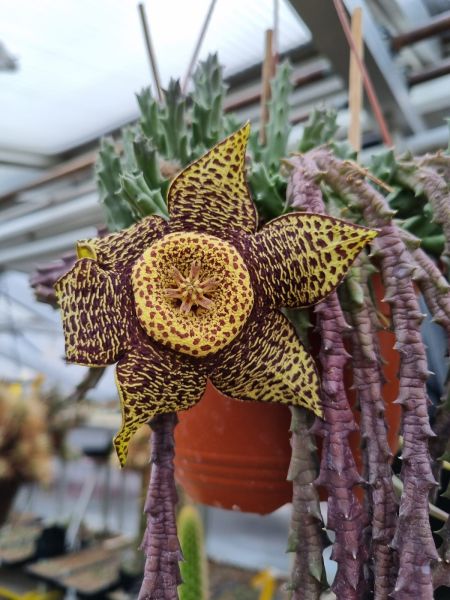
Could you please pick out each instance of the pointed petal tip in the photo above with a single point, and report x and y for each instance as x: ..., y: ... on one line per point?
x: 85, y: 249
x: 301, y: 258
x: 318, y: 411
x: 211, y: 193
x: 121, y: 448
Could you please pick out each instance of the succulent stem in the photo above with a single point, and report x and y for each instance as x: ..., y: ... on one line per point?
x: 306, y: 530
x: 160, y: 543
x: 413, y: 539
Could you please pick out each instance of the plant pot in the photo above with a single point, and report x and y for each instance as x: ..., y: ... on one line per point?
x: 233, y: 454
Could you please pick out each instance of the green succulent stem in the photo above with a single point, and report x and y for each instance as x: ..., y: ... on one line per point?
x: 194, y: 566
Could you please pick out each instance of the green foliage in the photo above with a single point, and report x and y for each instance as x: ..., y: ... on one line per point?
x: 193, y: 569
x: 179, y: 130
x: 409, y: 201
x: 147, y: 162
x: 208, y: 121
x: 143, y: 200
x: 175, y: 131
x: 150, y: 122
x: 108, y: 170
x: 266, y: 181
x: 277, y: 128
x: 173, y: 122
x: 320, y: 129
x: 384, y: 165
x: 268, y: 191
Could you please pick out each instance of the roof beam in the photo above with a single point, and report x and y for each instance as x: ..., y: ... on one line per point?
x: 33, y: 253
x: 21, y: 158
x: 389, y: 82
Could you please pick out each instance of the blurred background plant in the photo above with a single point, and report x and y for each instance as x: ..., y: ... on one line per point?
x: 194, y: 568
x: 25, y: 444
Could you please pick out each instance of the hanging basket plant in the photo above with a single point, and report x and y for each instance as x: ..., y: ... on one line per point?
x: 190, y: 284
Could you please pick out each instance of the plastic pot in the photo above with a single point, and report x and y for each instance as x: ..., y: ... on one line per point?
x: 233, y: 454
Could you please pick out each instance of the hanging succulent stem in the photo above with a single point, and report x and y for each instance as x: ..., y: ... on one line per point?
x: 160, y: 543
x: 306, y: 530
x: 338, y: 472
x: 436, y: 291
x: 413, y: 539
x: 368, y: 380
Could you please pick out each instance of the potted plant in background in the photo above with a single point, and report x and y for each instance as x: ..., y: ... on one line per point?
x: 24, y: 441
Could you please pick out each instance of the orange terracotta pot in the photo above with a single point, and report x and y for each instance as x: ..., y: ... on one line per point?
x: 234, y: 454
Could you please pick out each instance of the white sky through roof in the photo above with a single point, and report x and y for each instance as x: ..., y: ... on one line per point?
x: 81, y: 61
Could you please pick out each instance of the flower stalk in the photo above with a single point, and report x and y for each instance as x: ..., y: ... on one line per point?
x: 160, y: 543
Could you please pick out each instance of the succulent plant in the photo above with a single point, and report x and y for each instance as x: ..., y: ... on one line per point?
x: 194, y: 566
x: 406, y: 198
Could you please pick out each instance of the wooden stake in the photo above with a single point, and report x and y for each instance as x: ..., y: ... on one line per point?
x: 268, y: 71
x: 150, y: 52
x: 368, y: 86
x: 198, y: 46
x: 355, y: 89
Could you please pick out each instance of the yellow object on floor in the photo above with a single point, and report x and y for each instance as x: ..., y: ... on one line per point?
x: 33, y: 595
x: 264, y: 581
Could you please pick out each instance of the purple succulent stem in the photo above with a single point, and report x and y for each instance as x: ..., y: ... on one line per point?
x: 368, y: 381
x: 439, y: 161
x: 306, y: 530
x: 436, y: 291
x: 413, y: 539
x: 44, y: 278
x: 433, y: 285
x: 338, y: 472
x: 160, y: 543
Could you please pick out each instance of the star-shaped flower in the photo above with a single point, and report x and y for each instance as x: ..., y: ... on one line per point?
x: 173, y: 303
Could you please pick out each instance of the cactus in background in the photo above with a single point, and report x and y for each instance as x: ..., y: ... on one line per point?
x: 168, y: 136
x: 266, y: 181
x: 278, y: 127
x: 194, y: 566
x: 171, y: 134
x: 208, y: 121
x: 108, y: 169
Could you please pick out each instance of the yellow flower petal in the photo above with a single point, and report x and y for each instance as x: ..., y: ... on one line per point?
x: 268, y: 363
x: 94, y: 309
x: 300, y: 258
x: 153, y: 381
x: 212, y: 194
x: 117, y: 250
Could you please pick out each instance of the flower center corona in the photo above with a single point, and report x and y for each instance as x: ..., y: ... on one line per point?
x: 192, y: 292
